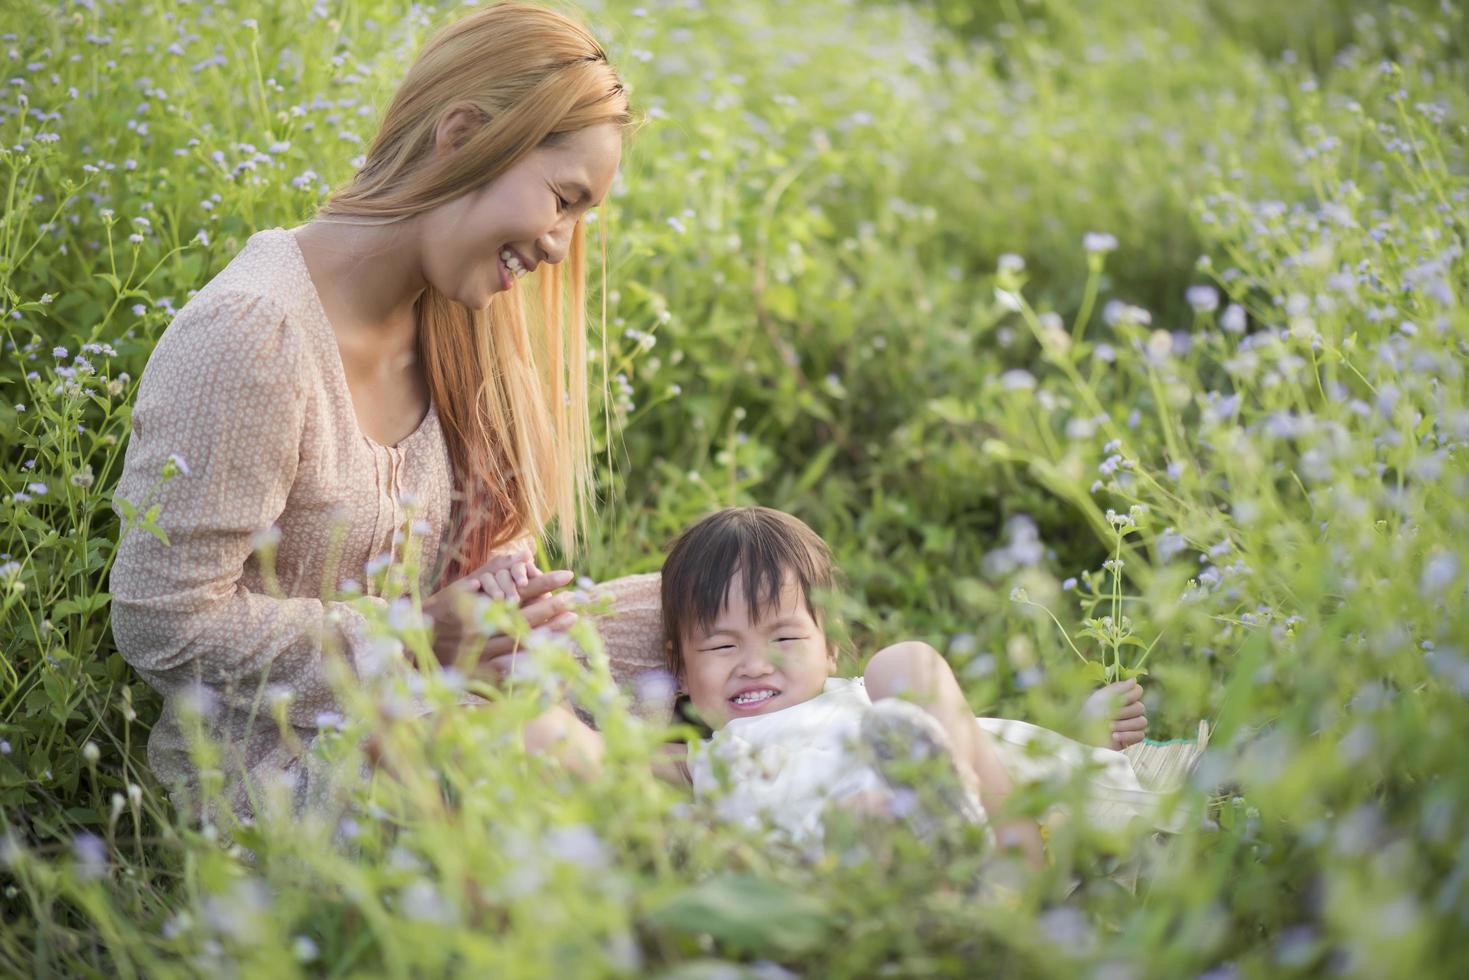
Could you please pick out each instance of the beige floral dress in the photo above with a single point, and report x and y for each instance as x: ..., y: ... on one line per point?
x: 246, y: 391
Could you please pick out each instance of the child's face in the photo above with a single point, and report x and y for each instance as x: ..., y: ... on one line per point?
x: 747, y: 666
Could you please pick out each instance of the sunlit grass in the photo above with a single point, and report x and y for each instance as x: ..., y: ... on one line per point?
x: 964, y: 302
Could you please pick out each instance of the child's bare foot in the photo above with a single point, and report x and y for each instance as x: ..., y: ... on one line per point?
x: 1121, y: 705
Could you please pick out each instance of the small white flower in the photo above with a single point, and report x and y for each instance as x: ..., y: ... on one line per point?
x: 304, y: 949
x: 1233, y: 318
x: 90, y: 855
x: 423, y: 902
x: 330, y: 721
x: 266, y: 538
x: 1017, y: 379
x: 578, y: 844
x: 1203, y: 299
x: 1099, y: 242
x: 1439, y: 573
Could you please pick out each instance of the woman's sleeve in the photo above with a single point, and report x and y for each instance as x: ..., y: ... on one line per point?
x: 223, y: 393
x: 632, y: 632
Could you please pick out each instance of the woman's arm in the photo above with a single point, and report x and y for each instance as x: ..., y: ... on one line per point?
x: 222, y: 391
x: 632, y: 634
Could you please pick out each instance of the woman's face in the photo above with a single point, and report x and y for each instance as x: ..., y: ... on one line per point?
x: 475, y: 245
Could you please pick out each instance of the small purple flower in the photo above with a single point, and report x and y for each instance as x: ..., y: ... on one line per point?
x: 1439, y: 573
x: 1203, y: 299
x: 90, y: 855
x: 330, y: 721
x: 578, y: 844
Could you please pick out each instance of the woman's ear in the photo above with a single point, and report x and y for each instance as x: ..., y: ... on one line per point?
x: 455, y: 127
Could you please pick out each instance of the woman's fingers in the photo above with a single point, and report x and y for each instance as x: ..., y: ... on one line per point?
x: 552, y: 613
x: 548, y: 608
x: 544, y: 582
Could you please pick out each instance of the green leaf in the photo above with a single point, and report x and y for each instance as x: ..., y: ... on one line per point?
x: 749, y: 914
x: 815, y: 469
x: 81, y: 604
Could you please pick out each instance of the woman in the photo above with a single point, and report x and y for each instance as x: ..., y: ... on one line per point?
x: 379, y: 375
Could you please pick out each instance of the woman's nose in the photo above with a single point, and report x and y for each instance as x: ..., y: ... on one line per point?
x: 555, y: 243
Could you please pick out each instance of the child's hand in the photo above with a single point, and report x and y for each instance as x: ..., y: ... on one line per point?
x: 504, y: 574
x: 1121, y: 704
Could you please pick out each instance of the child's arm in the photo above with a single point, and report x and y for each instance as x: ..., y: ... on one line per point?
x: 671, y: 764
x: 918, y: 673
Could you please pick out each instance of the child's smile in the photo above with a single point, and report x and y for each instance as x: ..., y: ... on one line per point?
x: 752, y: 700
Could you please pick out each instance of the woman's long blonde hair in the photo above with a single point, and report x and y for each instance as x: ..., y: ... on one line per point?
x: 509, y: 382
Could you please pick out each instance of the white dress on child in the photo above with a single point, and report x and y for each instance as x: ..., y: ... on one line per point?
x: 784, y: 768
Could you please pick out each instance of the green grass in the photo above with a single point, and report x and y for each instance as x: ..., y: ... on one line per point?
x: 815, y: 304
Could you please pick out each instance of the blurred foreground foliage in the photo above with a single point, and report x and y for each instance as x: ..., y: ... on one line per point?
x: 952, y: 282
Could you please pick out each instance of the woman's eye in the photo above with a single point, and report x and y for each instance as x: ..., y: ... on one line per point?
x: 561, y: 203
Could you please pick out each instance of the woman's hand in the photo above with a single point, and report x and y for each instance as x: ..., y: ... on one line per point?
x: 1121, y: 704
x: 510, y: 576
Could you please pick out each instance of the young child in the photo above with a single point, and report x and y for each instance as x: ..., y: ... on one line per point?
x: 747, y: 644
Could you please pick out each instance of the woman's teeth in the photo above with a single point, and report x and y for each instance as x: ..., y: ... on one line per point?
x: 512, y: 263
x: 751, y: 697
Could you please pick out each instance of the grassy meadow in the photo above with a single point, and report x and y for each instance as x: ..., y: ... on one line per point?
x: 1096, y: 338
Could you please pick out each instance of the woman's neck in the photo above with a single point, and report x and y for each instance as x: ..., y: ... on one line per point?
x: 369, y: 277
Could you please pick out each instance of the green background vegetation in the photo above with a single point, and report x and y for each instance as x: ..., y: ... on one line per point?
x: 815, y: 303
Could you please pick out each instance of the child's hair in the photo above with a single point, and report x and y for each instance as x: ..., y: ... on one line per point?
x: 762, y: 545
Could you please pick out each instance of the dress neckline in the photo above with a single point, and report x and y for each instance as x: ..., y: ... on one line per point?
x: 330, y: 337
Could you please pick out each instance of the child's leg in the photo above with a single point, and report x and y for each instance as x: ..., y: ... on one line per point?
x: 917, y: 672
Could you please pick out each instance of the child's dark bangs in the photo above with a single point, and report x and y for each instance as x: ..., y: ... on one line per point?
x: 770, y: 554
